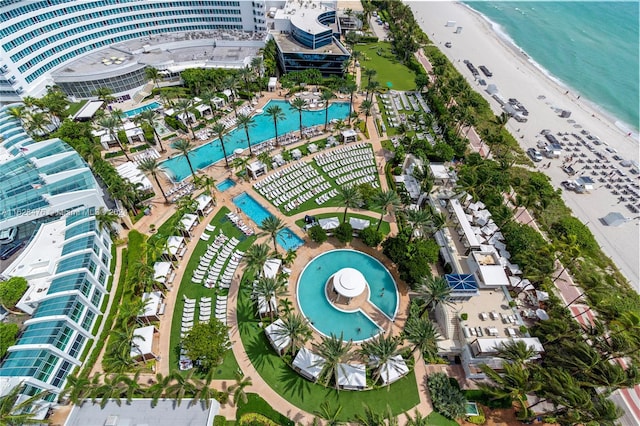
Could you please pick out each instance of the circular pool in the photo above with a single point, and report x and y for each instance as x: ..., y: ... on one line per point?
x: 328, y: 319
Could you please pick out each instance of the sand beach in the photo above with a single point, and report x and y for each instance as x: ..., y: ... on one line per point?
x: 516, y: 76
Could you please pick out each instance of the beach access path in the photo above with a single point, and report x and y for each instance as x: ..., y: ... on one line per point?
x: 516, y: 77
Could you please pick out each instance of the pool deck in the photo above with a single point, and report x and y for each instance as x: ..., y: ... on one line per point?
x: 160, y: 212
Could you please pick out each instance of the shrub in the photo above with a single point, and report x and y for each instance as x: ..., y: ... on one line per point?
x: 254, y: 419
x: 344, y: 232
x: 479, y: 419
x: 370, y: 236
x: 447, y: 399
x: 317, y: 234
x: 12, y: 290
x: 219, y: 421
x: 8, y: 334
x: 122, y: 137
x: 464, y: 316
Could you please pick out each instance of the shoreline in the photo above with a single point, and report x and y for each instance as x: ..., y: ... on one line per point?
x: 516, y: 75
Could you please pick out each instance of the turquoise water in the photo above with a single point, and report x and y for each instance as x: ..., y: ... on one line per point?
x: 225, y: 184
x: 256, y: 212
x: 136, y: 111
x: 262, y: 131
x: 591, y: 47
x: 323, y: 316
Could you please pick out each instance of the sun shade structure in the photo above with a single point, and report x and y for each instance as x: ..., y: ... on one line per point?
x: 352, y: 376
x: 392, y: 370
x: 278, y: 340
x: 329, y: 223
x: 271, y: 268
x: 462, y: 284
x: 614, y: 219
x: 349, y: 282
x: 308, y: 364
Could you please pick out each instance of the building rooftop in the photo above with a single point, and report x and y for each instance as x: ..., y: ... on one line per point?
x: 288, y: 44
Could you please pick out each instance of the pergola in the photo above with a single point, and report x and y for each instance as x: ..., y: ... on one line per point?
x: 349, y: 283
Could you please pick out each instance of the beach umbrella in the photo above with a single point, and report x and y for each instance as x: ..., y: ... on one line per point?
x: 542, y: 314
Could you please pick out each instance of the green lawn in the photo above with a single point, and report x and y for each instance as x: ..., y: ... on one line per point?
x: 436, y: 419
x: 391, y: 73
x: 229, y: 366
x: 400, y: 397
x: 384, y: 227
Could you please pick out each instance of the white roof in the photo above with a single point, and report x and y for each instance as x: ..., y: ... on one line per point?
x: 279, y: 341
x: 439, y: 171
x: 349, y: 282
x: 203, y: 107
x: 152, y: 303
x: 130, y: 171
x: 161, y: 270
x: 189, y: 221
x: 203, y: 201
x: 488, y: 346
x: 256, y: 166
x: 329, y: 223
x: 263, y: 308
x: 271, y: 267
x: 348, y: 133
x: 273, y: 80
x: 174, y: 243
x: 393, y: 369
x: 142, y: 341
x: 309, y: 363
x: 464, y: 223
x: 89, y: 109
x: 352, y: 376
x: 358, y: 224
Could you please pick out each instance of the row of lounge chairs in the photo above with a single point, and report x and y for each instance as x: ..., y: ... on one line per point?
x: 221, y: 309
x: 239, y: 223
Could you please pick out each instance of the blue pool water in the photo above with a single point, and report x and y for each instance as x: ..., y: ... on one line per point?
x: 225, y: 184
x: 262, y: 131
x: 249, y: 206
x: 136, y: 111
x: 325, y: 318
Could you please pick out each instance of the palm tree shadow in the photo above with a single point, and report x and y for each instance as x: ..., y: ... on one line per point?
x: 294, y: 383
x: 259, y: 353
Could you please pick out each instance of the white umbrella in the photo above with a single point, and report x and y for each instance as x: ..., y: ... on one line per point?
x: 542, y: 314
x: 238, y: 151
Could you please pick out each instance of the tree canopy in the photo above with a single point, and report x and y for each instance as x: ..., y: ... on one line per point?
x: 206, y: 344
x: 12, y: 290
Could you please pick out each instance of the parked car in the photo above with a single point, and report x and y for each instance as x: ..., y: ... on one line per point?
x: 569, y: 185
x: 10, y: 249
x: 534, y: 154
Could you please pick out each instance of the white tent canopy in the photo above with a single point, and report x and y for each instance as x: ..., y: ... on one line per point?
x: 189, y: 221
x: 349, y: 282
x: 614, y: 219
x: 271, y: 267
x: 152, y: 302
x: 358, y: 224
x: 161, y: 270
x: 141, y: 345
x: 329, y: 223
x: 393, y: 369
x: 279, y: 341
x: 174, y: 243
x: 308, y: 364
x: 203, y: 200
x: 352, y: 376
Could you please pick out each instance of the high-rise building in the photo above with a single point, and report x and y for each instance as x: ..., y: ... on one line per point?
x: 38, y: 38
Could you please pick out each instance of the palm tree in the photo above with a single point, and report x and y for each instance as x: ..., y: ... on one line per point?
x: 157, y: 389
x: 203, y: 392
x: 15, y: 411
x: 349, y: 197
x: 246, y: 121
x: 78, y: 389
x: 295, y: 327
x: 335, y: 351
x: 276, y: 114
x: 366, y: 107
x: 387, y: 201
x: 326, y: 96
x: 502, y: 119
x: 207, y: 183
x: 299, y: 104
x: 246, y: 73
x: 423, y: 335
x: 434, y: 291
x: 371, y: 89
x: 231, y: 82
x: 148, y: 117
x: 514, y: 382
x: 110, y: 124
x: 271, y: 225
x: 516, y: 351
x: 19, y: 113
x: 238, y: 389
x: 255, y: 256
x: 152, y: 167
x: 220, y: 129
x: 184, y: 147
x: 181, y: 386
x: 104, y: 94
x: 183, y: 106
x: 152, y: 74
x: 330, y: 414
x: 106, y: 219
x: 270, y: 289
x: 417, y: 420
x: 418, y: 220
x: 351, y: 89
x: 114, y: 387
x: 285, y: 307
x: 38, y: 123
x: 383, y: 350
x: 370, y: 73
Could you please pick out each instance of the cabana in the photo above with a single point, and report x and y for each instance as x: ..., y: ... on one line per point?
x: 280, y: 342
x: 176, y: 247
x: 203, y: 108
x: 163, y: 272
x: 264, y: 308
x: 296, y: 154
x: 256, y: 169
x: 308, y: 364
x: 153, y: 306
x: 205, y: 204
x: 329, y: 224
x: 440, y: 174
x: 87, y: 112
x: 352, y: 376
x: 358, y: 224
x: 464, y: 227
x: 273, y: 83
x: 133, y: 132
x: 271, y: 268
x: 189, y: 221
x: 142, y: 343
x: 349, y: 135
x: 392, y: 370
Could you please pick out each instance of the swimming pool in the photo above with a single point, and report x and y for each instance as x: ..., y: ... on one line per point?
x: 263, y: 130
x: 225, y: 184
x: 136, y: 111
x: 324, y: 317
x: 256, y: 212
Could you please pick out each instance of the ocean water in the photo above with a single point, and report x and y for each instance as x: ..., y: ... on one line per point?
x: 592, y: 47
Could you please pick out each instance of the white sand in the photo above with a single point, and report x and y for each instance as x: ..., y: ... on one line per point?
x: 516, y: 77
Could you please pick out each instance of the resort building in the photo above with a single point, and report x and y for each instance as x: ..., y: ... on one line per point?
x: 67, y: 287
x: 307, y: 36
x: 40, y: 180
x: 82, y: 46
